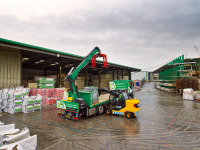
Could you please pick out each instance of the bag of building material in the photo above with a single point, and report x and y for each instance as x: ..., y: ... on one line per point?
x: 9, y: 132
x: 7, y: 127
x: 29, y: 100
x: 37, y: 107
x: 1, y: 123
x: 13, y: 103
x: 12, y: 138
x: 4, y: 109
x: 194, y: 94
x: 13, y: 110
x: 38, y: 99
x: 4, y: 94
x: 5, y: 102
x: 15, y: 95
x: 28, y: 108
x: 29, y: 143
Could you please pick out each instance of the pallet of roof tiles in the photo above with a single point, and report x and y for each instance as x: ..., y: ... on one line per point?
x: 29, y: 143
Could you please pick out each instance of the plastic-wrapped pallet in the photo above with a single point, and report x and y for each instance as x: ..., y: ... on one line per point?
x: 198, y: 97
x: 188, y: 90
x: 90, y: 88
x: 188, y: 94
x: 29, y: 143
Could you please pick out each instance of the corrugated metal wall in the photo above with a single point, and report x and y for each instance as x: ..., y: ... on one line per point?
x: 10, y: 67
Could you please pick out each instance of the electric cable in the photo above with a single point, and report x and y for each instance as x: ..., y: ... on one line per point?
x: 159, y: 64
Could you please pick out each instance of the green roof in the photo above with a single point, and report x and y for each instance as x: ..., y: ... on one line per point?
x: 55, y: 51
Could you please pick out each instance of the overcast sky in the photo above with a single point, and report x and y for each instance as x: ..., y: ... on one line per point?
x: 136, y: 33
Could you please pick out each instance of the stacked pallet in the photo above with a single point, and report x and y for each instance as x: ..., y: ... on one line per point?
x: 80, y: 81
x: 124, y: 77
x: 45, y: 82
x: 104, y: 80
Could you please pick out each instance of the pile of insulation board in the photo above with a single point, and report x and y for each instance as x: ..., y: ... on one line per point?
x: 14, y: 139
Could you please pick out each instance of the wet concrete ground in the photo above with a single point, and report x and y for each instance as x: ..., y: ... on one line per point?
x: 165, y: 121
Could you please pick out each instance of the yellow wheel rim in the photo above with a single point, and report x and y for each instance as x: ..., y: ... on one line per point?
x: 108, y: 111
x: 128, y: 115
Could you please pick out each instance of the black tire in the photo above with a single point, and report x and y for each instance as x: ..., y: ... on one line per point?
x: 129, y: 115
x: 109, y: 111
x: 100, y: 109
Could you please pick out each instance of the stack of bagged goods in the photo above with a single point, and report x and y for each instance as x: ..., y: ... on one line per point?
x: 104, y: 80
x: 11, y: 138
x: 28, y: 104
x: 15, y: 99
x: 15, y: 102
x: 45, y: 82
x: 188, y: 94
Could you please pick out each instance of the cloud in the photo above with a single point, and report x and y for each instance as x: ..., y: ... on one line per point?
x: 137, y: 33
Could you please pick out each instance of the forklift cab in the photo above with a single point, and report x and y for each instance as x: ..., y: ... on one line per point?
x: 120, y: 101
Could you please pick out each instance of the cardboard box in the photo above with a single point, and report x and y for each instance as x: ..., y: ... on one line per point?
x: 65, y: 85
x: 62, y: 75
x: 106, y: 76
x: 32, y: 85
x: 30, y: 81
x: 24, y: 81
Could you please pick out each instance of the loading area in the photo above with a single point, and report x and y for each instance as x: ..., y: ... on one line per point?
x: 166, y: 121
